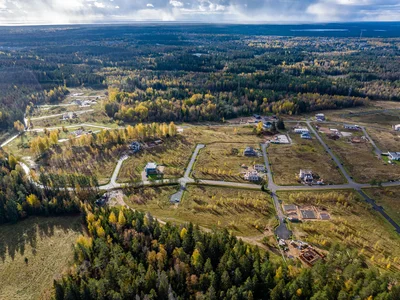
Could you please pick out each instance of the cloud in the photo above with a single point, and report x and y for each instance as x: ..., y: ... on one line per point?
x: 234, y: 11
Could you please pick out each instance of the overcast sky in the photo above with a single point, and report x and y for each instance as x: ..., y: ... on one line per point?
x: 232, y: 11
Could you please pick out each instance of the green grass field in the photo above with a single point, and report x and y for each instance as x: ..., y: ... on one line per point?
x: 47, y: 244
x: 353, y: 223
x: 243, y: 212
x: 287, y: 160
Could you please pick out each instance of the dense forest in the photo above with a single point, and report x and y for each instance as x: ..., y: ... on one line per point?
x: 197, y: 74
x: 19, y: 197
x: 128, y: 255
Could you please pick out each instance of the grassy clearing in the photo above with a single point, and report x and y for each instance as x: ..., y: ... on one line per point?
x: 97, y: 116
x: 361, y: 161
x: 244, y: 212
x: 353, y: 223
x: 222, y: 161
x: 385, y: 140
x: 174, y: 155
x: 389, y: 199
x: 47, y: 244
x: 287, y: 160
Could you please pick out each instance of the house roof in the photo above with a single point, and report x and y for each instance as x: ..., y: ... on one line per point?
x: 289, y: 207
x: 308, y: 214
x: 151, y: 166
x: 394, y: 155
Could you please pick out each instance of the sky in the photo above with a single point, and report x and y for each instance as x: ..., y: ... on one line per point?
x: 210, y: 11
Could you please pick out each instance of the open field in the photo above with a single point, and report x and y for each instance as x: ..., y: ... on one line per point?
x: 287, y: 160
x: 361, y: 162
x: 33, y: 253
x: 223, y: 161
x: 389, y: 199
x: 244, y: 212
x: 353, y: 223
x: 97, y: 116
x: 386, y: 140
x: 173, y: 154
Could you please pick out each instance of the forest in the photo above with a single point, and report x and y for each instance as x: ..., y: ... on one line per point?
x: 128, y: 255
x: 197, y: 74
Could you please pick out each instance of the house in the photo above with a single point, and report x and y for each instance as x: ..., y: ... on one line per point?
x: 352, y: 127
x: 135, y: 147
x: 397, y: 127
x: 249, y: 151
x: 151, y: 169
x: 301, y: 130
x: 394, y: 156
x: 259, y: 168
x: 251, y: 176
x: 306, y: 136
x: 267, y: 125
x: 306, y: 176
x: 258, y: 117
x: 69, y: 116
x: 320, y: 117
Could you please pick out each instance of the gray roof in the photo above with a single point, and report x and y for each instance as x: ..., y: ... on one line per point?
x: 289, y: 207
x: 151, y: 166
x: 308, y: 214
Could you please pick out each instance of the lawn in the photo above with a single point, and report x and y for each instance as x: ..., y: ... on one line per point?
x: 33, y: 253
x: 361, y: 162
x: 388, y: 140
x: 353, y: 223
x: 223, y: 161
x: 388, y: 198
x: 287, y: 160
x: 174, y: 154
x: 243, y: 212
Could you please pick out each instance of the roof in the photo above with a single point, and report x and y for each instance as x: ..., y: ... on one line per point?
x: 308, y: 214
x: 306, y: 172
x: 394, y: 155
x: 289, y: 207
x: 151, y: 166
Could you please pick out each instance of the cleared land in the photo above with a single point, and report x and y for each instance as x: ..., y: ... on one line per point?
x: 287, y: 160
x: 244, y: 212
x: 386, y: 140
x: 361, y: 162
x: 173, y: 154
x: 389, y: 199
x: 223, y: 161
x: 46, y: 243
x: 353, y: 223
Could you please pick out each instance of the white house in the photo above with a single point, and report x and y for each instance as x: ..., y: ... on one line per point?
x: 320, y: 117
x: 252, y: 176
x: 306, y: 176
x: 397, y: 127
x: 301, y: 130
x: 352, y: 127
x: 394, y: 156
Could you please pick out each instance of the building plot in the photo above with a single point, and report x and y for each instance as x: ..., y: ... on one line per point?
x: 360, y: 159
x: 304, y: 154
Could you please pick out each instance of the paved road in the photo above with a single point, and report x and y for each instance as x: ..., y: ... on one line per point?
x: 177, y: 197
x: 281, y: 231
x: 378, y: 151
x: 335, y: 159
x: 113, y: 182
